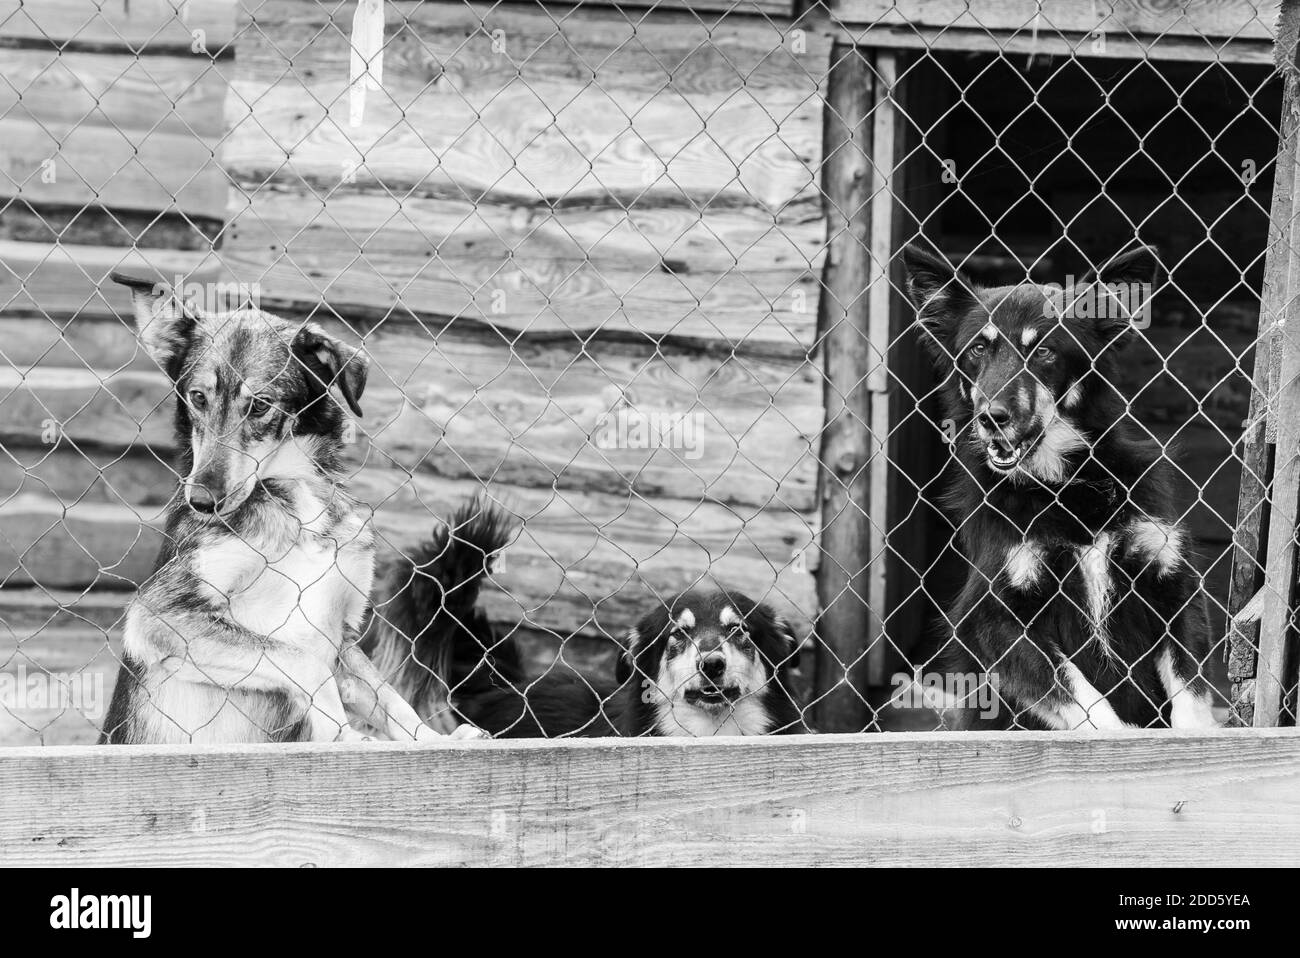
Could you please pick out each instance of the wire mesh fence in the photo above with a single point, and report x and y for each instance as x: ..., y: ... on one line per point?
x: 593, y: 329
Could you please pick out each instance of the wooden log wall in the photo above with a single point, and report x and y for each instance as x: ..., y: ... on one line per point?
x: 547, y: 213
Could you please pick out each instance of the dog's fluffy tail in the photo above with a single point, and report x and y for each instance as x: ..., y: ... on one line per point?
x: 426, y: 633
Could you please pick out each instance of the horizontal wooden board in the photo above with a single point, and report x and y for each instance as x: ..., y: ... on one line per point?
x: 131, y: 169
x: 585, y: 563
x: 901, y: 799
x: 548, y: 415
x: 1199, y: 49
x: 645, y: 177
x: 58, y: 282
x: 1215, y: 18
x: 183, y: 95
x: 143, y: 25
x: 522, y: 71
x: 729, y: 274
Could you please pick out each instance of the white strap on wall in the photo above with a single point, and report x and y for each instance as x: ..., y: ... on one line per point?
x: 366, y: 70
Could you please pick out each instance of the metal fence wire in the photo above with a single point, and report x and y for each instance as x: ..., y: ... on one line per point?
x: 632, y: 289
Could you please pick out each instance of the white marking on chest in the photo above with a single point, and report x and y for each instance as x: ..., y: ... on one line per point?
x: 1156, y: 542
x: 1094, y: 568
x: 304, y: 591
x: 1024, y: 564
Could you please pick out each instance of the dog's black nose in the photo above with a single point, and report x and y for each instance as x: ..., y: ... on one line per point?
x: 995, y: 416
x: 713, y: 667
x: 201, y: 500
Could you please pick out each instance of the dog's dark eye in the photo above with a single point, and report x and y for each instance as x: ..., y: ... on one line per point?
x: 259, y: 407
x: 198, y: 400
x: 1044, y: 352
x: 976, y: 349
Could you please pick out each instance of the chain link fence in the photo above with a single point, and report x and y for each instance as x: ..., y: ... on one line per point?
x: 631, y: 280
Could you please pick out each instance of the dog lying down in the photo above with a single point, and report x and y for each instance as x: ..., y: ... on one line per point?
x: 245, y: 630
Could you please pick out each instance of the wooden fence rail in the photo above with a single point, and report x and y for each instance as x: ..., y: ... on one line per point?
x: 1136, y: 798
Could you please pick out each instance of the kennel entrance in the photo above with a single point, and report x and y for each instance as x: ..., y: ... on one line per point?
x: 1040, y: 140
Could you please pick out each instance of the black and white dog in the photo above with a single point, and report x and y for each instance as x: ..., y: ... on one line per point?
x: 709, y: 663
x: 241, y: 633
x: 1081, y: 603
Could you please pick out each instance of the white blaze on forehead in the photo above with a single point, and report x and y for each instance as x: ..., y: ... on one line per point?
x: 1024, y: 564
x: 1157, y: 541
x: 729, y: 616
x: 1028, y: 336
x: 989, y: 332
x: 686, y: 619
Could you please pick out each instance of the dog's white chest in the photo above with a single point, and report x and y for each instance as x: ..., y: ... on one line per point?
x: 306, y: 593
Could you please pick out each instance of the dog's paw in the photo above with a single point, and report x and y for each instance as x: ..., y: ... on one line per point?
x: 468, y: 732
x: 348, y: 734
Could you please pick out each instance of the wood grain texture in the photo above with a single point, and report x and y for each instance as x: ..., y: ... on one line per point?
x: 847, y: 628
x: 901, y: 799
x: 141, y: 25
x: 1199, y: 49
x: 528, y: 102
x: 560, y: 172
x: 183, y: 95
x: 1254, y: 19
x: 132, y: 169
x: 533, y: 414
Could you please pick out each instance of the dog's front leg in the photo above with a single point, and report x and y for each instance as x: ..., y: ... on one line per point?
x: 366, y: 691
x: 267, y: 667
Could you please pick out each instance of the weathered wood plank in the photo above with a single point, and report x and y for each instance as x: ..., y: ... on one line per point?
x: 587, y: 108
x: 183, y: 95
x: 132, y: 169
x: 643, y: 177
x: 846, y: 627
x: 901, y: 799
x: 1253, y: 19
x: 585, y: 563
x: 62, y: 281
x: 545, y: 415
x: 143, y: 25
x: 1199, y: 49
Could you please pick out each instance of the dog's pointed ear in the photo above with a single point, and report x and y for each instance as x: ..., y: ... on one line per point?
x: 344, y: 366
x: 786, y: 631
x: 625, y: 663
x: 938, y: 291
x: 1122, y: 290
x: 163, y: 324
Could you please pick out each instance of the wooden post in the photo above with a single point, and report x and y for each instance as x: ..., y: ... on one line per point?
x: 1264, y: 567
x: 845, y: 628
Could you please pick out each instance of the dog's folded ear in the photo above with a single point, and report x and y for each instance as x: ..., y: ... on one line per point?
x: 163, y: 323
x: 341, y: 365
x: 787, y: 632
x: 939, y: 292
x: 1122, y: 291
